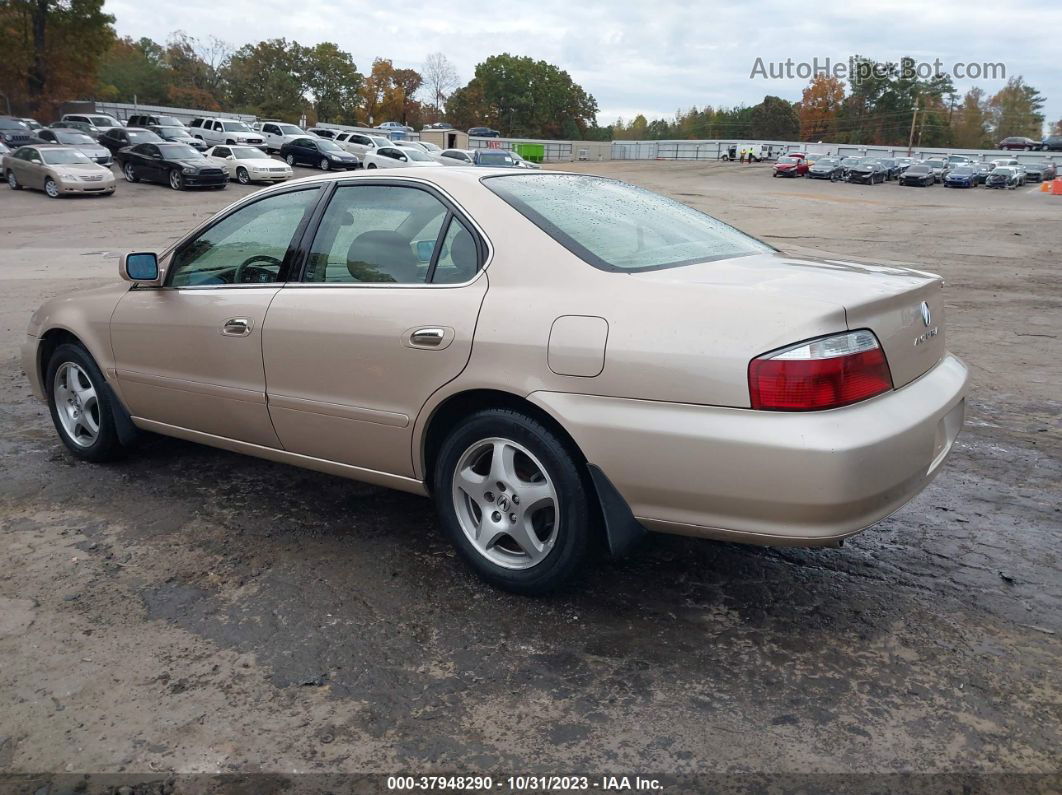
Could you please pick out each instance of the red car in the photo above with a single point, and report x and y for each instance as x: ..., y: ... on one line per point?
x: 1017, y: 142
x: 794, y: 164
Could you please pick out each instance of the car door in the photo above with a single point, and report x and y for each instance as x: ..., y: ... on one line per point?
x: 149, y: 163
x: 383, y: 315
x: 189, y: 354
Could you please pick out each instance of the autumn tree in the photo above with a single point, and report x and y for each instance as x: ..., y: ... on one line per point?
x: 388, y: 93
x: 50, y: 51
x: 819, y: 105
x: 1016, y: 110
x: 971, y: 121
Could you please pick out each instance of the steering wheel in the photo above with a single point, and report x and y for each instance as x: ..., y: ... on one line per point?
x: 249, y: 273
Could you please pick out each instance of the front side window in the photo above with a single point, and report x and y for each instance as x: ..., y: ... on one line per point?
x: 249, y: 246
x: 373, y: 234
x: 615, y: 226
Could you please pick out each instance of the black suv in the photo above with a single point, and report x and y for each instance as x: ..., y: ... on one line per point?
x: 14, y: 132
x: 153, y: 120
x: 483, y: 132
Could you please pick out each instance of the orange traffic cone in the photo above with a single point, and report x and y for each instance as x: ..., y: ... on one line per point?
x: 1056, y: 186
x: 1045, y: 186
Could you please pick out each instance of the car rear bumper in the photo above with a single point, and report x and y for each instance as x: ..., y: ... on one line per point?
x: 786, y: 478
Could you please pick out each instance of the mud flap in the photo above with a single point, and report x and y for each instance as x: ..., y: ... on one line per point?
x: 622, y: 531
x: 123, y: 423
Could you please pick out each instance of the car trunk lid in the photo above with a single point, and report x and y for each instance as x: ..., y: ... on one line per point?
x: 887, y: 300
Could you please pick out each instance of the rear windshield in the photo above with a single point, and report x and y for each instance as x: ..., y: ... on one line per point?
x: 619, y: 227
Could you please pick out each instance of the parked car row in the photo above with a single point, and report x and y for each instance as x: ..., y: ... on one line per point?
x: 953, y: 171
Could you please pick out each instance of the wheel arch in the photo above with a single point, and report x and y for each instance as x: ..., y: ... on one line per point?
x: 50, y: 341
x: 618, y: 526
x: 455, y: 407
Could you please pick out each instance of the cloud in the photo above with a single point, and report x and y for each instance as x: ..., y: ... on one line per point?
x: 649, y: 58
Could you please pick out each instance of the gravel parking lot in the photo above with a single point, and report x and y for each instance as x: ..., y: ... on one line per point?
x: 191, y: 610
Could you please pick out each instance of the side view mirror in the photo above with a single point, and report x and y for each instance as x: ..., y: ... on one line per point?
x: 140, y: 268
x: 230, y: 157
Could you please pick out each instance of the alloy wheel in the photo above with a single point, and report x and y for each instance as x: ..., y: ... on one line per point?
x: 130, y: 175
x: 506, y: 503
x: 176, y: 181
x: 12, y: 180
x: 242, y: 176
x: 77, y: 404
x: 290, y: 160
x: 51, y: 188
x: 325, y: 165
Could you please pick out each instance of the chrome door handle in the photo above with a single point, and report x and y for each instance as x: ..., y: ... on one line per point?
x: 428, y: 336
x: 237, y: 327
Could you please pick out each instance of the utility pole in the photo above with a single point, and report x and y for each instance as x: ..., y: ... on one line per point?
x: 910, y: 138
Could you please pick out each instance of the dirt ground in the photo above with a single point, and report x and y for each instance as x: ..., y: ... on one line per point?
x: 193, y: 611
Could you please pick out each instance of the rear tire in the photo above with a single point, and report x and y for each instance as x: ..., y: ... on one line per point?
x: 80, y: 405
x: 130, y: 173
x: 12, y: 181
x: 491, y: 461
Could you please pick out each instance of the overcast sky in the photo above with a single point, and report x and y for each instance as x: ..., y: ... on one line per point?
x: 644, y: 57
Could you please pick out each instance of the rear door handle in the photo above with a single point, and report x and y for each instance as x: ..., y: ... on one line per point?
x: 237, y: 327
x: 430, y: 337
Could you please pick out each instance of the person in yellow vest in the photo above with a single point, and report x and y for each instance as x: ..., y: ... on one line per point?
x: 742, y: 154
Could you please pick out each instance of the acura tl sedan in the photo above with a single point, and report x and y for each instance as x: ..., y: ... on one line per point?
x: 558, y: 360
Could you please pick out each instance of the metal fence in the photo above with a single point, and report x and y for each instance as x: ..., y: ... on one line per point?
x: 122, y: 111
x: 716, y: 148
x: 558, y: 151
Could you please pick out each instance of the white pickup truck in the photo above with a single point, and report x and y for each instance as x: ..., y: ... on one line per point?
x: 277, y: 133
x: 224, y: 131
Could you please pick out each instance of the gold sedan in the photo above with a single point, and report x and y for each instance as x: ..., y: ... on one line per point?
x: 57, y: 170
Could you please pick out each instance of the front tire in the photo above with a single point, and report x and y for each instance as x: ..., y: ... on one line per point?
x: 242, y: 176
x: 176, y: 180
x: 51, y: 188
x: 80, y: 405
x: 371, y: 165
x: 324, y: 164
x: 513, y: 499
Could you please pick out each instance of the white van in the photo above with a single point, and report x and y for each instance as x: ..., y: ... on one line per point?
x: 758, y: 151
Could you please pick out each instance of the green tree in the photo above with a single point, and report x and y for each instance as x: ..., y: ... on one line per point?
x: 334, y: 82
x: 267, y: 79
x: 525, y: 98
x: 774, y: 118
x: 134, y: 70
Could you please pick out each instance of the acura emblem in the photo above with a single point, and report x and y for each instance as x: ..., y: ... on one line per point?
x: 927, y: 317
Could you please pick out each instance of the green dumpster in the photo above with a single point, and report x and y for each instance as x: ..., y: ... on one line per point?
x: 536, y: 153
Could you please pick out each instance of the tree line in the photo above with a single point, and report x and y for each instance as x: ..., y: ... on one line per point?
x: 58, y: 50
x: 878, y: 110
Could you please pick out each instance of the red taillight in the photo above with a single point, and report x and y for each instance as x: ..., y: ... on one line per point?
x: 821, y: 374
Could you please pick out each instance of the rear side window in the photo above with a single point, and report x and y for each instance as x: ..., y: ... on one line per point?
x: 390, y: 234
x: 615, y: 226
